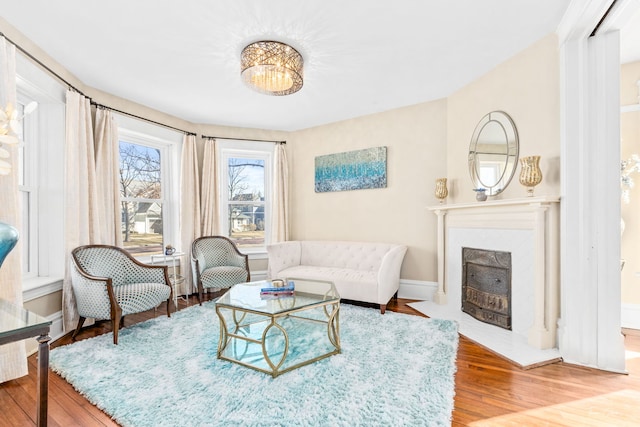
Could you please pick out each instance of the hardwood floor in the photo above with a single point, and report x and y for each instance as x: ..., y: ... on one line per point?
x: 489, y: 390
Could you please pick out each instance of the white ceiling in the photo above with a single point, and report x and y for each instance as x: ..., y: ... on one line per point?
x: 361, y: 56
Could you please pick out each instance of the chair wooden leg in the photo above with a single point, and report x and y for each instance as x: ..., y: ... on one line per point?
x: 80, y: 323
x: 383, y: 308
x: 200, y: 291
x: 169, y: 301
x: 116, y: 320
x: 115, y: 325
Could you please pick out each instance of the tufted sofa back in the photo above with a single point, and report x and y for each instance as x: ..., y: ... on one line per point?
x: 351, y: 255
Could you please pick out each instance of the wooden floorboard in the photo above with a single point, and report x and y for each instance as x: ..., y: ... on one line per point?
x: 490, y: 391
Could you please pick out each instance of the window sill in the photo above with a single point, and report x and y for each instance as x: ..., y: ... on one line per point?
x: 37, y: 287
x: 256, y: 255
x: 262, y: 254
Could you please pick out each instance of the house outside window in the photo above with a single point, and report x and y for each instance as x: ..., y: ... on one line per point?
x: 245, y: 182
x: 149, y: 162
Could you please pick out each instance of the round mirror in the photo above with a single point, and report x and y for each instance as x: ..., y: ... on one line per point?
x: 493, y: 153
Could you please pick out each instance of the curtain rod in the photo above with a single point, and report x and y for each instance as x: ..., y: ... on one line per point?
x: 604, y: 17
x: 141, y: 118
x: 242, y: 139
x: 72, y: 87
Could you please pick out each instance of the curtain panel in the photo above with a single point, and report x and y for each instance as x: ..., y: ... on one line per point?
x: 210, y: 214
x: 189, y: 206
x: 81, y: 201
x: 108, y: 169
x: 13, y: 357
x: 280, y: 212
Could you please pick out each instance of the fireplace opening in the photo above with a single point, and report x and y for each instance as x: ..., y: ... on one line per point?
x: 486, y: 286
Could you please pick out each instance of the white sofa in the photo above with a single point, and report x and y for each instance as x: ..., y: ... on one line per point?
x: 366, y: 272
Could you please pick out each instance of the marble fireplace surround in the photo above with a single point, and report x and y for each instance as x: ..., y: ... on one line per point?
x: 528, y: 228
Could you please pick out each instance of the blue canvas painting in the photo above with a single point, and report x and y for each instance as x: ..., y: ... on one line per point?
x: 352, y: 170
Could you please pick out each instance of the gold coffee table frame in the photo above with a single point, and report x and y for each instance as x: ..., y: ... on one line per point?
x: 244, y: 299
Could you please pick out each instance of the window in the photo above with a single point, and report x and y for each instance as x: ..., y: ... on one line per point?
x: 149, y: 159
x: 245, y: 190
x: 40, y: 168
x: 27, y: 165
x: 141, y: 197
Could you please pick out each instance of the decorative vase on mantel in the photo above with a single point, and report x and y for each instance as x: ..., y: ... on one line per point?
x: 441, y: 189
x: 481, y: 194
x: 530, y: 173
x: 8, y: 239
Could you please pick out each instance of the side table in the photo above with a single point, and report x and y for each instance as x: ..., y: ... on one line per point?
x: 17, y: 324
x: 175, y: 278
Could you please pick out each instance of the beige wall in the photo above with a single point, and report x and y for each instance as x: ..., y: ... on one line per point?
x: 630, y: 134
x: 416, y: 142
x: 527, y: 87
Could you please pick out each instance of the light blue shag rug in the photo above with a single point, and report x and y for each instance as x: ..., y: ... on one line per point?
x: 394, y: 369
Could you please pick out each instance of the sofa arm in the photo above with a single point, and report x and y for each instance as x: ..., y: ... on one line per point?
x: 282, y: 255
x: 389, y: 273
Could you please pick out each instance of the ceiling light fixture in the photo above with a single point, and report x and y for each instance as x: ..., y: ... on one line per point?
x: 272, y: 68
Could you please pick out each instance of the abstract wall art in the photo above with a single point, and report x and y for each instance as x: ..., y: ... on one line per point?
x: 351, y: 170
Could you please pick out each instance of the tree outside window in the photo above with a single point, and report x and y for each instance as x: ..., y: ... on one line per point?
x: 246, y: 201
x: 141, y: 198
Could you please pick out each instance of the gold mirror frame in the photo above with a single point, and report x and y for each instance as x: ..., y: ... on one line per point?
x: 493, y: 153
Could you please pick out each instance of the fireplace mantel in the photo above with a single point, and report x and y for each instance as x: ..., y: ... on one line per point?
x: 537, y: 215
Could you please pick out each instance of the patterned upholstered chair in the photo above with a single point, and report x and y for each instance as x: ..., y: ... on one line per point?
x: 108, y: 283
x: 217, y: 263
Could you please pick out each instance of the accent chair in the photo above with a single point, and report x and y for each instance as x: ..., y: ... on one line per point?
x: 217, y: 264
x: 108, y: 283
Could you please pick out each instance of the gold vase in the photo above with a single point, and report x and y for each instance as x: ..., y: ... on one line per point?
x: 441, y: 189
x: 530, y: 173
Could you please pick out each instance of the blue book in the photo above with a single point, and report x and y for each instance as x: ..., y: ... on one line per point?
x: 287, y: 288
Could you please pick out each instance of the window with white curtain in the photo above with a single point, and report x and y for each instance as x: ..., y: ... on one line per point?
x: 245, y: 190
x: 40, y: 169
x: 149, y: 186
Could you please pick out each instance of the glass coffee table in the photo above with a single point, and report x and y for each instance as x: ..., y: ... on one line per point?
x: 17, y: 324
x: 276, y: 334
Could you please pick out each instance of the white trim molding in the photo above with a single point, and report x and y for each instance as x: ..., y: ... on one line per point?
x: 40, y: 287
x: 55, y: 331
x: 631, y: 316
x: 258, y: 275
x: 417, y: 289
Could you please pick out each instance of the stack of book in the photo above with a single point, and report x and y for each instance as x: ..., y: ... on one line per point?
x: 272, y: 291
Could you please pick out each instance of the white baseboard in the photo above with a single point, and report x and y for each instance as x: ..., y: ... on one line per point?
x: 630, y: 317
x: 55, y: 331
x: 259, y: 275
x: 417, y: 289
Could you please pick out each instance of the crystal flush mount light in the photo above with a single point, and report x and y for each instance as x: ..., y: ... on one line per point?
x: 272, y: 68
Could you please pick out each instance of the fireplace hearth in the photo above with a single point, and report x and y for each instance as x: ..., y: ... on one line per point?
x: 486, y: 286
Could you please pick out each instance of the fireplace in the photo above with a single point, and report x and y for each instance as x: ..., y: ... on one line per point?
x: 486, y: 286
x: 526, y: 228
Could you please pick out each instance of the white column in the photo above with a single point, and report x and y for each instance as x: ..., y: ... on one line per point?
x: 542, y: 334
x: 440, y: 297
x: 590, y: 327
